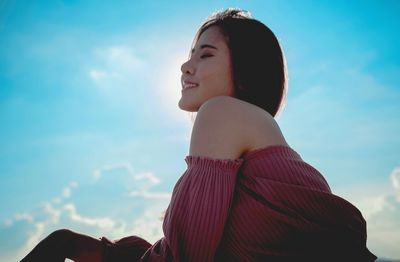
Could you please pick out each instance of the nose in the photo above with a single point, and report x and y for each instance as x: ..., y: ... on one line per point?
x: 187, y: 68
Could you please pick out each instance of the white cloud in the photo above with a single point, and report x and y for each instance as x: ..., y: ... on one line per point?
x: 66, y: 193
x: 149, y: 225
x: 384, y: 229
x: 67, y: 190
x: 376, y: 205
x: 123, y: 57
x: 102, y: 223
x: 98, y: 75
x: 34, y: 236
x: 114, y: 63
x: 140, y: 190
x: 150, y: 195
x: 38, y: 221
x: 23, y: 216
x: 149, y: 176
x: 380, y: 206
x: 98, y: 173
x: 53, y: 214
x: 57, y: 213
x: 395, y: 179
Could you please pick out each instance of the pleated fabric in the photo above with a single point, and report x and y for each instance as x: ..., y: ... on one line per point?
x: 269, y: 205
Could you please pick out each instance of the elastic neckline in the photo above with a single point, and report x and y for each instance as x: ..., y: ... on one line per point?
x: 205, y: 162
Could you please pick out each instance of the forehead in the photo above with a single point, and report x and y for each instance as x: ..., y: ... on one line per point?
x: 212, y: 35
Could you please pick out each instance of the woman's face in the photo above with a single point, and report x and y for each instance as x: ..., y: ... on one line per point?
x: 208, y: 72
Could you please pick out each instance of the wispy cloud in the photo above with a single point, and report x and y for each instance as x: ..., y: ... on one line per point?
x: 114, y: 65
x: 395, y: 179
x: 98, y: 75
x: 104, y: 223
x: 150, y: 195
x: 380, y: 207
x: 148, y: 176
x: 39, y: 221
x: 98, y: 173
x: 62, y: 211
x: 143, y: 189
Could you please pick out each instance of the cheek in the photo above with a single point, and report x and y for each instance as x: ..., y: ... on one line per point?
x: 211, y: 75
x: 227, y: 77
x: 217, y: 76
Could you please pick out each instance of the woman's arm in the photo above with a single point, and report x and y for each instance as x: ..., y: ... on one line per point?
x: 202, y: 198
x: 64, y: 243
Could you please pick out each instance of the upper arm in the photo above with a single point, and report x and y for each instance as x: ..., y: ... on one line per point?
x: 219, y: 130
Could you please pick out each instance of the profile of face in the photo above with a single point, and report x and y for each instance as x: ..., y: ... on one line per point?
x: 208, y: 72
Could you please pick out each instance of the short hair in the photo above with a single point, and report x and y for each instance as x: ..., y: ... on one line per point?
x: 258, y: 62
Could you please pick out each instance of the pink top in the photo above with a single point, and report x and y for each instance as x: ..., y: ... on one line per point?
x: 267, y: 205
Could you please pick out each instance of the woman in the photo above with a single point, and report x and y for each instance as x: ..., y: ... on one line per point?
x: 246, y: 194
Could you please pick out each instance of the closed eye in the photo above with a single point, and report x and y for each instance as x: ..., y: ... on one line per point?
x: 206, y: 55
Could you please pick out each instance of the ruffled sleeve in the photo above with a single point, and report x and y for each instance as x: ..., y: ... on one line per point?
x: 199, y: 207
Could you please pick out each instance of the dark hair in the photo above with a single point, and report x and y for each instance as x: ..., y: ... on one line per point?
x: 259, y: 67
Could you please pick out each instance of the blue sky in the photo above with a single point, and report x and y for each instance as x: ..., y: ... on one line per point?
x: 91, y: 137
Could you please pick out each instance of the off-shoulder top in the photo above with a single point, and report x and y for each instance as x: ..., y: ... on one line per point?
x: 268, y: 205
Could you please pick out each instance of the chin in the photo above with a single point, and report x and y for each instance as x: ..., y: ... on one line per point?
x: 187, y: 107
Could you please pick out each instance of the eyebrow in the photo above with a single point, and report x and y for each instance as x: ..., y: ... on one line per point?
x: 206, y: 46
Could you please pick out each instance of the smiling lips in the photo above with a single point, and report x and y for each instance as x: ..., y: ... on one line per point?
x: 187, y: 85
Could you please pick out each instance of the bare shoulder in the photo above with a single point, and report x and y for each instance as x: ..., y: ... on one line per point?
x: 226, y: 127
